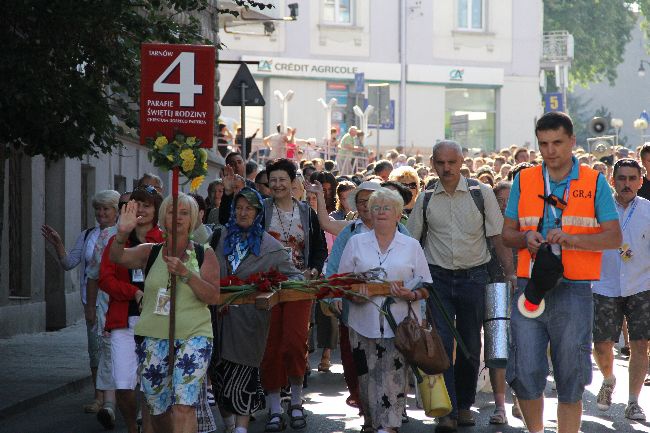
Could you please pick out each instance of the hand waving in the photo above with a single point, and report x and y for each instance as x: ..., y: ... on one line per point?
x: 315, y: 187
x: 228, y: 180
x: 128, y: 217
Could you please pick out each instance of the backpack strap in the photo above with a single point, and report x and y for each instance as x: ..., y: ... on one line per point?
x: 153, y: 255
x: 214, y: 239
x: 425, y: 226
x: 87, y: 233
x: 474, y: 188
x: 199, y: 250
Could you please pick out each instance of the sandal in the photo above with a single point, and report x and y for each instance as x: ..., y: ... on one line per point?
x: 275, y: 423
x: 646, y: 382
x: 324, y: 366
x: 93, y: 407
x: 352, y: 402
x: 297, y: 422
x: 499, y: 416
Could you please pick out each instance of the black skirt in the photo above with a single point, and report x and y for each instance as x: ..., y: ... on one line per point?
x: 237, y: 388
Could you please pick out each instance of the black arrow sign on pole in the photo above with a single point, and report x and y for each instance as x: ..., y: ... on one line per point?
x: 243, y: 91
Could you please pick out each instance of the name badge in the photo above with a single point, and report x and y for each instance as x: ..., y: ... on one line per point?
x: 138, y: 276
x: 163, y: 302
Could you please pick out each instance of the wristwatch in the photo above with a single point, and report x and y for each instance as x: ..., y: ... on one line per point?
x: 185, y: 278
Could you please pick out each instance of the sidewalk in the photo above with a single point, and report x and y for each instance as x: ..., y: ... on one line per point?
x: 37, y: 367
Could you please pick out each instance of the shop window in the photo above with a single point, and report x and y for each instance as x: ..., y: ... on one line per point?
x: 470, y: 15
x: 470, y: 117
x: 338, y: 12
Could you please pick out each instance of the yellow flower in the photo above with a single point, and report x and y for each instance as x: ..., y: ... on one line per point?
x: 170, y: 157
x: 160, y: 142
x: 191, y: 141
x: 188, y: 158
x: 205, y: 166
x: 196, y: 183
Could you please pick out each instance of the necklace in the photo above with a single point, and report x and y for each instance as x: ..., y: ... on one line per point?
x: 288, y: 232
x: 381, y: 262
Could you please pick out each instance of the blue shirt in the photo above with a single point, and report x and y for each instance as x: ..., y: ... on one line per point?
x: 604, y: 202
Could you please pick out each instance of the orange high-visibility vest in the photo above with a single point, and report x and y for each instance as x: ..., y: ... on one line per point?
x: 579, y: 217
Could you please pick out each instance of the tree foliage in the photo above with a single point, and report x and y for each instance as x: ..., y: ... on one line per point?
x: 69, y: 75
x: 600, y: 28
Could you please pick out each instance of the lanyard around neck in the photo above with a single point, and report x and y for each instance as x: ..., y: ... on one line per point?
x: 548, y: 191
x: 629, y: 215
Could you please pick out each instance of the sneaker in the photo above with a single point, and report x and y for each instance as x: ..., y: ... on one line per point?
x: 211, y: 400
x: 604, y: 398
x: 106, y: 417
x: 634, y: 412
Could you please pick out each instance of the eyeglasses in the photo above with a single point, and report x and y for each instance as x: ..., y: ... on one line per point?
x: 362, y: 203
x: 385, y: 208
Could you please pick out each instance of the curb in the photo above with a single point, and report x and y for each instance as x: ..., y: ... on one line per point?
x: 21, y: 406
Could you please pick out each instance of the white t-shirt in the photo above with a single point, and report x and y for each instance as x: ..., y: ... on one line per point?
x: 403, y: 261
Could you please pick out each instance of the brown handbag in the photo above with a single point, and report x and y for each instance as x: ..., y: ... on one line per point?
x: 422, y: 347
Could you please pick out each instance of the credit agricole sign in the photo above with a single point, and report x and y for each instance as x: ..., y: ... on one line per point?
x: 323, y: 69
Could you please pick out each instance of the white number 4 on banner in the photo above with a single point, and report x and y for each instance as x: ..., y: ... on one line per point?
x: 186, y: 87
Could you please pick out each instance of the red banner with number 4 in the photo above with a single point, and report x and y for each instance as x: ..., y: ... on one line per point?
x: 177, y: 91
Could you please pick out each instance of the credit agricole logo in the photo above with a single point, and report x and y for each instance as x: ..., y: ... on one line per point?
x: 456, y: 74
x: 264, y: 65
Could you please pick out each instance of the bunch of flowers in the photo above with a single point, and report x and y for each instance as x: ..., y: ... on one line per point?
x: 640, y: 123
x: 183, y: 152
x: 336, y: 286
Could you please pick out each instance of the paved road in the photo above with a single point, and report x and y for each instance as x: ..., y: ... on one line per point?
x: 328, y: 413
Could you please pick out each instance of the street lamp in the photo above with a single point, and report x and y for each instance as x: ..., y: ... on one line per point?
x: 284, y: 103
x: 617, y: 124
x: 363, y: 116
x: 327, y: 106
x: 641, y: 70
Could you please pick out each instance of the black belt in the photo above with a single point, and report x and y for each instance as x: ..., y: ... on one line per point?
x: 459, y: 273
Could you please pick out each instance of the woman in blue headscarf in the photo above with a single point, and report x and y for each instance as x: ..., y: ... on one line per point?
x: 244, y: 248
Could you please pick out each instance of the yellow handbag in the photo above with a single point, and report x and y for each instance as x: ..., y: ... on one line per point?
x: 435, y: 399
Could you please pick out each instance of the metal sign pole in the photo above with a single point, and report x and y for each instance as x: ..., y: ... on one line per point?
x: 243, y: 88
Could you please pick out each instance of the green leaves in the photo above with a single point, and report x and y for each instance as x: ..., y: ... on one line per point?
x: 71, y: 67
x: 600, y: 29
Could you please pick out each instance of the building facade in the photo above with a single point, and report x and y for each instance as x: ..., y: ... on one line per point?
x: 461, y: 69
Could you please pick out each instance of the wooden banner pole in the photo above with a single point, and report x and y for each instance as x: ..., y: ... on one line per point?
x: 172, y: 278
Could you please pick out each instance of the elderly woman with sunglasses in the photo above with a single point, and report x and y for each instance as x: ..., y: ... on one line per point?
x: 172, y: 400
x: 243, y: 249
x: 382, y: 370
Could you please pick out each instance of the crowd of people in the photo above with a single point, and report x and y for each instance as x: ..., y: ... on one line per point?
x: 444, y: 226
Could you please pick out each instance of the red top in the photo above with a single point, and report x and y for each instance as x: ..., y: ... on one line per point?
x: 114, y: 280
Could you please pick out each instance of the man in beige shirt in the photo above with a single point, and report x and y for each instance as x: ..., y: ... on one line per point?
x: 454, y: 237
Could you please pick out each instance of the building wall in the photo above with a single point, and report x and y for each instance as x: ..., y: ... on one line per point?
x: 504, y: 56
x: 51, y: 194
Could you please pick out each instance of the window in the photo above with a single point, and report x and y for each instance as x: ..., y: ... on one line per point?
x: 470, y: 117
x: 470, y: 14
x: 338, y: 11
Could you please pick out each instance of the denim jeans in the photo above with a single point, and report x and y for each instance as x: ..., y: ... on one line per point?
x: 463, y: 296
x: 566, y: 324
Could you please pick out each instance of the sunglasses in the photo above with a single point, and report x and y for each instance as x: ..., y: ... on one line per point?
x: 412, y: 185
x: 148, y: 188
